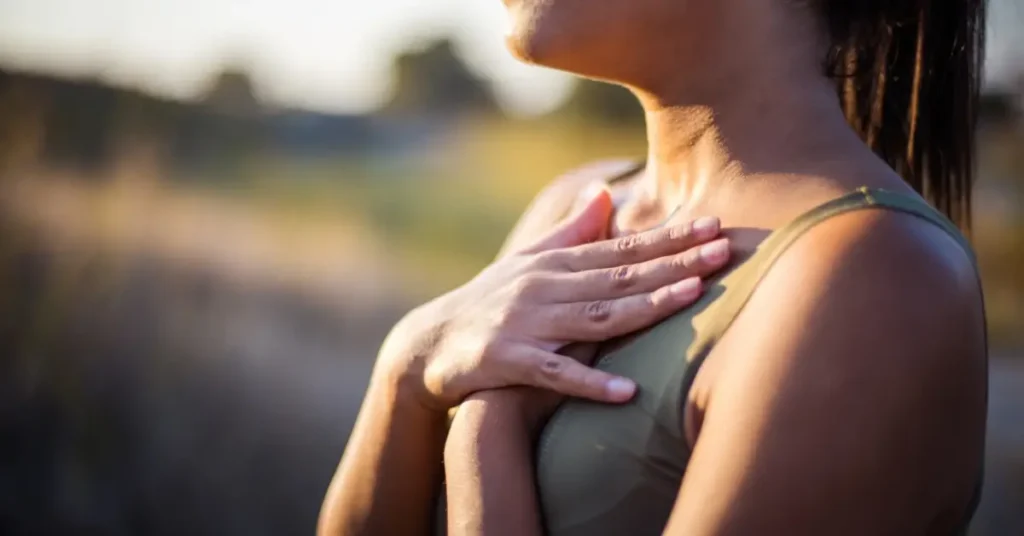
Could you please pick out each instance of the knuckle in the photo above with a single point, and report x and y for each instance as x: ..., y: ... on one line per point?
x: 507, y: 316
x: 541, y: 259
x: 688, y: 260
x: 552, y: 260
x: 492, y: 348
x: 628, y: 244
x: 623, y: 277
x: 527, y: 286
x: 653, y: 301
x: 487, y: 350
x: 551, y: 368
x: 680, y: 233
x: 598, y: 311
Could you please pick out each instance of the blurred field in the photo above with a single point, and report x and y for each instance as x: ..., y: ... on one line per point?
x: 186, y: 338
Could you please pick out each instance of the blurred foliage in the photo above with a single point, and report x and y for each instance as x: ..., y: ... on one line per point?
x: 435, y: 81
x: 607, y: 103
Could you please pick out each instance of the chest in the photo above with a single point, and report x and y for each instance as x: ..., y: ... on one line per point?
x: 617, y: 469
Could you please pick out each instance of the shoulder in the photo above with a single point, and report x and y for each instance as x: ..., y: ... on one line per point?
x: 874, y: 292
x: 912, y: 275
x: 558, y: 197
x: 854, y: 378
x: 878, y: 295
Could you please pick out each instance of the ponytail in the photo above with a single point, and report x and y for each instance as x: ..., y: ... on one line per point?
x: 908, y: 74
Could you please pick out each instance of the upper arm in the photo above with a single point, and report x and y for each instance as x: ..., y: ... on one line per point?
x: 556, y: 200
x: 851, y: 398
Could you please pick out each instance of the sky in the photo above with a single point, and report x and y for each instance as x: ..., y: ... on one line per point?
x: 330, y: 55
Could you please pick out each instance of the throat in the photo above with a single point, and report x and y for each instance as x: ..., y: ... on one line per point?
x: 639, y: 207
x: 636, y: 217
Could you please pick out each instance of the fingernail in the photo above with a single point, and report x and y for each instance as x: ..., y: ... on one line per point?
x: 706, y: 226
x: 620, y: 389
x: 686, y: 288
x: 715, y: 253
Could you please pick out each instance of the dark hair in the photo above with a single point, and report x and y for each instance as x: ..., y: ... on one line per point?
x: 908, y: 74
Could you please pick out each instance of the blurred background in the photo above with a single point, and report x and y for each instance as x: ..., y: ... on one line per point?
x: 212, y: 211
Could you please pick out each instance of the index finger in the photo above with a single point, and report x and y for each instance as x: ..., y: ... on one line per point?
x: 639, y: 247
x: 567, y: 376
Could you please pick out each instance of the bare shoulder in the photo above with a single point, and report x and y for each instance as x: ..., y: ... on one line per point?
x: 879, y: 295
x: 557, y: 199
x: 851, y: 390
x: 911, y: 275
x: 885, y: 297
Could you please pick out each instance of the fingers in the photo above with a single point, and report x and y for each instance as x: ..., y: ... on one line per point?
x: 567, y: 376
x: 588, y: 224
x: 601, y: 320
x: 626, y: 280
x: 632, y: 249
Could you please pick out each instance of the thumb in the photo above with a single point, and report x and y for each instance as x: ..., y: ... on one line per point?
x: 588, y: 224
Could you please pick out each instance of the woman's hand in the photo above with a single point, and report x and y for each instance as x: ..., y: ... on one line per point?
x: 504, y: 327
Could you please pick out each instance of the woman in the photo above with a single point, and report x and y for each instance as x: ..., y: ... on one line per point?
x: 834, y: 382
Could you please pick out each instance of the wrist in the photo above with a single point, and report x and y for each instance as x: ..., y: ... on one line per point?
x: 401, y: 366
x: 403, y: 390
x: 409, y: 356
x: 481, y: 417
x: 512, y: 407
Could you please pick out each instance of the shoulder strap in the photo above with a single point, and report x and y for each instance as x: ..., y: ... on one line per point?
x: 628, y: 172
x: 742, y: 282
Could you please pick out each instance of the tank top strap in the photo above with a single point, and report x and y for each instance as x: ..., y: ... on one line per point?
x: 740, y: 284
x: 633, y: 169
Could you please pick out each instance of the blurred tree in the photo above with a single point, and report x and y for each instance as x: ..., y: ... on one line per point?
x: 22, y: 124
x: 607, y: 103
x: 143, y: 133
x: 436, y: 81
x: 79, y: 124
x: 232, y: 92
x: 228, y: 129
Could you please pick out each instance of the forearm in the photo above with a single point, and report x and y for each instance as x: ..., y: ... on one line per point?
x: 489, y: 470
x: 391, y: 471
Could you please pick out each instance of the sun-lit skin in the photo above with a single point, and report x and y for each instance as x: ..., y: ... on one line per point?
x: 549, y: 287
x: 712, y: 114
x: 744, y: 126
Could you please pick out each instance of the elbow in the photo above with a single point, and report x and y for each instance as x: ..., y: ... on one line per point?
x: 330, y: 522
x: 325, y: 525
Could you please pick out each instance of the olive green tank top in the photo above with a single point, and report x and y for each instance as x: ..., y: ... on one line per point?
x: 614, y: 470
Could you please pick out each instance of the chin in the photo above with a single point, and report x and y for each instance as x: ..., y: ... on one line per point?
x: 555, y: 34
x: 635, y: 43
x: 527, y: 39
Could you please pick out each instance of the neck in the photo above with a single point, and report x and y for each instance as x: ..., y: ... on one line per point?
x: 694, y: 149
x: 762, y: 108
